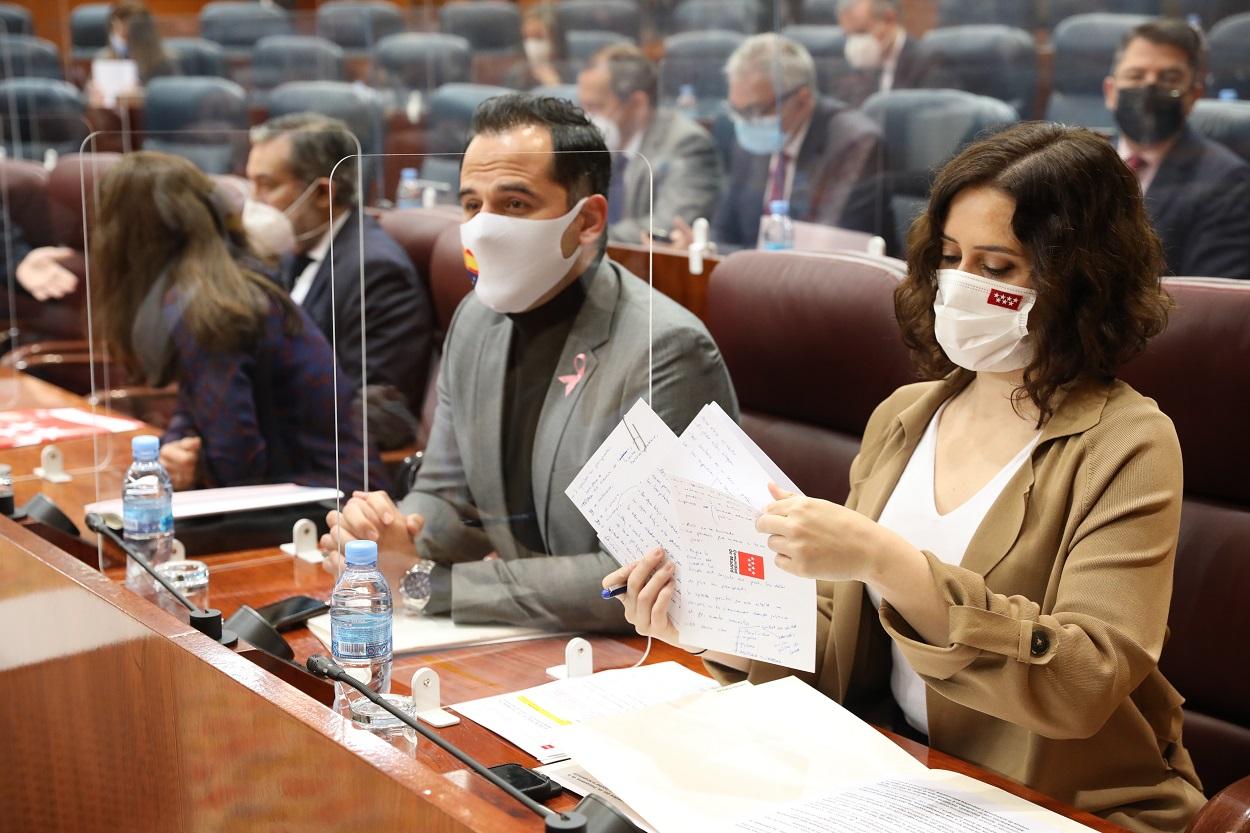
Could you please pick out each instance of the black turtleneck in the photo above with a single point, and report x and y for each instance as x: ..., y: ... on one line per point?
x: 538, y: 337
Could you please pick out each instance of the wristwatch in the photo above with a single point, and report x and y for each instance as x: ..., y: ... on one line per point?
x: 415, y: 588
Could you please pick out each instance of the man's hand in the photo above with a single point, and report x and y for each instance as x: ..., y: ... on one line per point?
x: 373, y: 516
x: 180, y: 459
x: 681, y: 234
x: 42, y: 274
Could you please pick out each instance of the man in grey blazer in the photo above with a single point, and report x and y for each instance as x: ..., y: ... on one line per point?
x: 540, y: 363
x: 667, y: 166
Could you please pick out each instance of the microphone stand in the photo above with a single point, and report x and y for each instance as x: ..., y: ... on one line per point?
x: 206, y: 621
x: 591, y: 815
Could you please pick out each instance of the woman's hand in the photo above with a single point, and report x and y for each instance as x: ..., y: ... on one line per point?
x: 650, y: 592
x: 180, y: 459
x: 819, y: 539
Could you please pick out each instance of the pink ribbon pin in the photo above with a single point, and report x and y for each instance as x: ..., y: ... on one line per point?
x: 579, y: 370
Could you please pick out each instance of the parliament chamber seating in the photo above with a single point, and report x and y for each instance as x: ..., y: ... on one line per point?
x: 806, y: 397
x: 1198, y: 371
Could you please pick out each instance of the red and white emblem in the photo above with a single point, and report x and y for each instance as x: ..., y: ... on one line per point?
x: 1010, y: 300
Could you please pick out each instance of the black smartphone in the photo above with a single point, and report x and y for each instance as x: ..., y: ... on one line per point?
x: 534, y: 784
x: 287, y: 613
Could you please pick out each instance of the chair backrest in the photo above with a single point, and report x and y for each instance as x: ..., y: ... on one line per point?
x: 237, y: 24
x: 278, y: 59
x: 697, y: 59
x: 450, y: 112
x: 1229, y: 55
x: 359, y: 107
x: 24, y: 194
x: 1211, y: 12
x: 75, y: 174
x: 196, y: 56
x: 806, y: 399
x: 1227, y: 122
x: 88, y: 29
x: 568, y: 92
x: 356, y: 25
x: 23, y: 56
x: 490, y: 26
x: 818, y: 13
x: 827, y: 46
x: 986, y: 59
x: 1085, y: 46
x: 1019, y: 13
x: 423, y: 60
x: 41, y: 114
x: 734, y: 15
x: 1053, y: 12
x: 202, y: 118
x: 15, y: 19
x: 620, y: 16
x: 1198, y: 370
x: 584, y: 43
x: 449, y: 280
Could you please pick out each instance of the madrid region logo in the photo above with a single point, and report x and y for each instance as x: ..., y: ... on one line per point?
x: 746, y: 564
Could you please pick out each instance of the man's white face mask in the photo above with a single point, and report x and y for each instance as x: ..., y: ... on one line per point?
x: 982, y: 324
x: 513, y: 261
x: 269, y: 229
x: 863, y: 51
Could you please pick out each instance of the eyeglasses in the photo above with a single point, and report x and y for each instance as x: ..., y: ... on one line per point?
x: 756, y: 111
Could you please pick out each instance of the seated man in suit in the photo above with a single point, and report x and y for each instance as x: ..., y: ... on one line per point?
x: 792, y: 145
x: 1197, y: 191
x: 618, y: 91
x: 540, y: 363
x: 290, y: 165
x: 877, y: 48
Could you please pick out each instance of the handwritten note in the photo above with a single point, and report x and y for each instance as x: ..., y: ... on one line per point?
x: 698, y: 498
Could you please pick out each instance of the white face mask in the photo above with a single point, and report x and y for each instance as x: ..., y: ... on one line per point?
x: 611, y: 132
x: 537, y: 50
x: 863, y: 51
x: 513, y: 261
x: 269, y: 229
x: 982, y: 324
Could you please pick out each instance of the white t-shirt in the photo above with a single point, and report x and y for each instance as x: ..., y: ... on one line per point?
x: 912, y: 513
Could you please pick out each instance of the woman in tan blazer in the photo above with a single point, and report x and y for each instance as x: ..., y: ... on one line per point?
x: 1001, y: 573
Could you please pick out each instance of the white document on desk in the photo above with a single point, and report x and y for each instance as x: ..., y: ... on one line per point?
x: 574, y: 778
x: 698, y: 498
x: 531, y: 717
x: 432, y: 633
x: 745, y: 755
x: 935, y: 801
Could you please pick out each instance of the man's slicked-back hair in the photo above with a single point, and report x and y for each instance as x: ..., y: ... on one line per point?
x: 320, y: 146
x: 581, y: 165
x: 1167, y: 31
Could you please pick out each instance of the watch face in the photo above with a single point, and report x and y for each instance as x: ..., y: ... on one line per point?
x: 415, y: 587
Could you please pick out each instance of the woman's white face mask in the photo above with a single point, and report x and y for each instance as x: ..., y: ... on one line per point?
x: 982, y: 324
x: 513, y: 261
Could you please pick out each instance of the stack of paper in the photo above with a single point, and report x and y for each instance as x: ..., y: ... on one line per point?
x: 698, y: 497
x: 196, y: 503
x: 531, y: 717
x: 782, y: 758
x: 432, y: 633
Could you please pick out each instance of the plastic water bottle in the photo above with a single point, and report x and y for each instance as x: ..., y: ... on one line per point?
x: 777, y: 233
x: 147, y: 510
x: 408, y: 195
x: 687, y: 102
x: 360, y: 622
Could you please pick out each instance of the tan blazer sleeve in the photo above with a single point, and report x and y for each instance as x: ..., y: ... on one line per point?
x: 1060, y: 667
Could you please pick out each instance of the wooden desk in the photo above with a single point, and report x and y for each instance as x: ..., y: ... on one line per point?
x: 670, y: 272
x: 129, y: 719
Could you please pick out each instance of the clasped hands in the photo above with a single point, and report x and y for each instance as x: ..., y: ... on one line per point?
x: 812, y: 538
x: 373, y: 516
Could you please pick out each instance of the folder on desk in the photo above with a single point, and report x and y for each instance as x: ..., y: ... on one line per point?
x: 196, y: 503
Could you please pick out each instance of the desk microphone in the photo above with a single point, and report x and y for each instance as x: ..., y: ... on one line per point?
x: 591, y: 815
x: 207, y: 622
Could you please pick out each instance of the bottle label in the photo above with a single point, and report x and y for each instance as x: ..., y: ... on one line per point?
x: 147, y: 516
x: 355, y: 636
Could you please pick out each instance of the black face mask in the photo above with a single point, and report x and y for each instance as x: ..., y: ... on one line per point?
x: 1149, y: 115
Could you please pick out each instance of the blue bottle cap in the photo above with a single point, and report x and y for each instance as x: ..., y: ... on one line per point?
x: 361, y: 553
x: 145, y: 447
x: 408, y: 173
x: 779, y: 207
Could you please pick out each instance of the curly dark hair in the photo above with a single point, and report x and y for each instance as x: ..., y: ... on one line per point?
x: 1095, y: 260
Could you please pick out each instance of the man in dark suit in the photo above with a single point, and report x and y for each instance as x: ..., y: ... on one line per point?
x: 880, y: 53
x: 295, y: 166
x: 1197, y: 191
x: 791, y: 145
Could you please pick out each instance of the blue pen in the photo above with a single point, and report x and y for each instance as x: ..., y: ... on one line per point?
x: 615, y: 591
